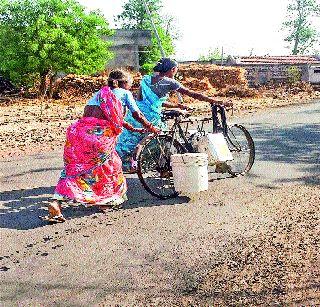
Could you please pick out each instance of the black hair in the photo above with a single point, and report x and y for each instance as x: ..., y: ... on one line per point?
x: 164, y: 65
x: 117, y: 78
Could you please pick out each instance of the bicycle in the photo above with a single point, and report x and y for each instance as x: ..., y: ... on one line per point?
x: 154, y: 151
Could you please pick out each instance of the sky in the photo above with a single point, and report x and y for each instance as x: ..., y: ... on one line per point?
x: 240, y: 27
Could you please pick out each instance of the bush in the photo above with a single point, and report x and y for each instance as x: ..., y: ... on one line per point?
x: 294, y: 74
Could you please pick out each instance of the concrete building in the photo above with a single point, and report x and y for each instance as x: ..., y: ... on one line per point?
x: 126, y: 44
x: 314, y: 74
x: 277, y: 69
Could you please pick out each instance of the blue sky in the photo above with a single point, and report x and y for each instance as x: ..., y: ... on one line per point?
x: 240, y: 27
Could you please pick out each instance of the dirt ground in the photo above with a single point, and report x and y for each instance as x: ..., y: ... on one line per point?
x: 244, y: 242
x: 227, y: 247
x: 31, y: 126
x: 278, y: 267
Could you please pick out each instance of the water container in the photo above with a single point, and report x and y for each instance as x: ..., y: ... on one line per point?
x: 218, y: 147
x: 190, y: 172
x: 215, y: 145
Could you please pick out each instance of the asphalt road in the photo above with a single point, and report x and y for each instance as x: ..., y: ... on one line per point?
x: 152, y: 248
x: 287, y: 144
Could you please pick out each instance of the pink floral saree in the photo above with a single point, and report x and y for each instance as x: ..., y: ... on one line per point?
x: 92, y: 172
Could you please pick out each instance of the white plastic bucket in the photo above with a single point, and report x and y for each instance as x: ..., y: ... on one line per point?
x: 190, y: 172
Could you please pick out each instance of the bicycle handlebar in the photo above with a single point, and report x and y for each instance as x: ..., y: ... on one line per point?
x: 215, y: 109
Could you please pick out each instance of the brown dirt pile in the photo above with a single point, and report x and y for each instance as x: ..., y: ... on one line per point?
x: 203, y: 78
x: 211, y: 80
x: 200, y: 85
x: 218, y: 76
x: 78, y: 86
x: 72, y: 86
x: 231, y: 82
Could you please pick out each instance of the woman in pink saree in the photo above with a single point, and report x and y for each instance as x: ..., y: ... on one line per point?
x: 92, y: 172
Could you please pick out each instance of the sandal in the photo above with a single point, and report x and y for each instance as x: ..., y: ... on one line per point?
x: 53, y: 219
x: 55, y: 215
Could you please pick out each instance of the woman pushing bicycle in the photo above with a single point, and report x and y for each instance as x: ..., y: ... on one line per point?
x: 152, y: 96
x: 92, y: 172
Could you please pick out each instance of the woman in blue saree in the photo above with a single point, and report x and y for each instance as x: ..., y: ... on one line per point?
x: 153, y: 94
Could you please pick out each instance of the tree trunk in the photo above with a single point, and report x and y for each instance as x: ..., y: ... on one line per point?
x: 50, y: 87
x: 297, y: 36
x: 296, y: 43
x: 43, y: 84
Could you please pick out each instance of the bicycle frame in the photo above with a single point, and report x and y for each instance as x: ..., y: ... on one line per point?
x: 176, y: 128
x: 219, y: 124
x: 154, y: 151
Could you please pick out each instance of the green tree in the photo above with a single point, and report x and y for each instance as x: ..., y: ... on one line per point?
x: 39, y: 38
x: 134, y: 16
x: 301, y: 34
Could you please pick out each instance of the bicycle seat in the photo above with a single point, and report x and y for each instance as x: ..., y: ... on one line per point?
x: 170, y: 114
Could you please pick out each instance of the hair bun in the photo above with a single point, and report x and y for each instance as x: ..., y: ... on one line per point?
x: 164, y: 65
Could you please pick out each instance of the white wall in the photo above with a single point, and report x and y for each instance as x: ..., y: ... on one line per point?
x: 314, y: 74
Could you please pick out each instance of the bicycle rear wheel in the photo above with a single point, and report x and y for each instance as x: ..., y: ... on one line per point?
x: 153, y: 165
x: 241, y: 145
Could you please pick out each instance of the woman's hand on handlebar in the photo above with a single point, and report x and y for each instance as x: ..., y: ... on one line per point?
x: 147, y: 130
x: 148, y: 127
x: 153, y: 129
x: 139, y: 130
x: 226, y: 104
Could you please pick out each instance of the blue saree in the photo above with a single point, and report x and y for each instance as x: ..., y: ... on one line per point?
x: 150, y: 106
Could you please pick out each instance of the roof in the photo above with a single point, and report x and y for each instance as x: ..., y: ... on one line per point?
x: 290, y: 60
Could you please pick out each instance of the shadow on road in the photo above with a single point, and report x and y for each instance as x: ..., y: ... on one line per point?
x: 297, y: 145
x: 21, y: 208
x: 33, y: 171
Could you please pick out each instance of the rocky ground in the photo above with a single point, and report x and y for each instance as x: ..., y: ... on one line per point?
x: 27, y: 126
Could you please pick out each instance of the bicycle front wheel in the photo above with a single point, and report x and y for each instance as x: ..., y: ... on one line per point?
x: 153, y: 165
x: 241, y: 145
